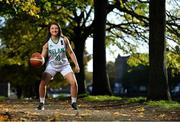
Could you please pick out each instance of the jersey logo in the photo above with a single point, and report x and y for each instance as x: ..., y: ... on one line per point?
x: 50, y: 45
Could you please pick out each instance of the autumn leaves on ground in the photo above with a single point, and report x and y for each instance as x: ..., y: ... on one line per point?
x: 122, y: 109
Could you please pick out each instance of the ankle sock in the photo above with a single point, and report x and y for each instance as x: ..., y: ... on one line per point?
x: 42, y: 100
x: 73, y: 99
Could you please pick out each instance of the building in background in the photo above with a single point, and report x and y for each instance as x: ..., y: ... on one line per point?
x: 121, y: 68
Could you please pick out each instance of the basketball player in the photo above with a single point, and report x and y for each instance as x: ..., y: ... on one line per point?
x: 55, y: 48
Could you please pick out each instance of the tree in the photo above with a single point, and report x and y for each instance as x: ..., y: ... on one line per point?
x: 158, y: 80
x: 100, y: 81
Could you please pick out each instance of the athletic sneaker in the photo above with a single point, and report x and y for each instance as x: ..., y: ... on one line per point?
x: 74, y: 105
x: 41, y: 106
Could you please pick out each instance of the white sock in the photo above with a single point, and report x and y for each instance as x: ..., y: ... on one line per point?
x: 42, y: 100
x: 73, y: 99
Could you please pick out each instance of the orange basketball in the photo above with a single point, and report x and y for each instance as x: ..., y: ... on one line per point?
x: 36, y: 60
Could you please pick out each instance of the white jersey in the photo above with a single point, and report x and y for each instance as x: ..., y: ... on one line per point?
x: 57, y: 53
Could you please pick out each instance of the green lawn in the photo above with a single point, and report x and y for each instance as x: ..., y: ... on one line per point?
x: 161, y: 103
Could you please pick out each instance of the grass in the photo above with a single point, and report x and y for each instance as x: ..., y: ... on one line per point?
x: 2, y: 98
x: 161, y: 103
x: 164, y: 104
x: 101, y: 98
x: 136, y: 99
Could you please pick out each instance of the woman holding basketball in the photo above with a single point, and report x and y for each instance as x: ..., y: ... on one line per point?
x: 55, y: 48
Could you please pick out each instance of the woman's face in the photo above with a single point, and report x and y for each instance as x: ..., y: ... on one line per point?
x: 54, y: 30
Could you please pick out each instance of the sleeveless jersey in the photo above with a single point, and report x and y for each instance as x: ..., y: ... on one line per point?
x: 57, y: 53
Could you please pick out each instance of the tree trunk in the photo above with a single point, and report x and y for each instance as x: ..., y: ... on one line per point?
x: 100, y: 81
x: 79, y: 51
x: 158, y: 82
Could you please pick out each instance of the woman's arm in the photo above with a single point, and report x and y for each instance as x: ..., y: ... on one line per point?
x: 71, y: 54
x: 44, y: 50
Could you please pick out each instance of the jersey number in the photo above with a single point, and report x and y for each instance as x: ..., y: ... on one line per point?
x: 58, y: 58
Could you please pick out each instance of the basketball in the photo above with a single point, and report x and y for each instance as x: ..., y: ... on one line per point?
x: 36, y: 60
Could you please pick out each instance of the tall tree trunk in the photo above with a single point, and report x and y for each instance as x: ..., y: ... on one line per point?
x: 79, y: 51
x: 158, y: 82
x: 100, y: 81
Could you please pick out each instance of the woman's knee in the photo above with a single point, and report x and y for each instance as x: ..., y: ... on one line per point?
x: 46, y: 77
x: 73, y: 83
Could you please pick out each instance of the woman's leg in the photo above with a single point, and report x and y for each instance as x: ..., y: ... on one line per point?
x: 73, y: 87
x: 46, y: 77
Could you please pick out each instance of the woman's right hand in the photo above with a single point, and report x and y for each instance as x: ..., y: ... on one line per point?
x: 77, y: 69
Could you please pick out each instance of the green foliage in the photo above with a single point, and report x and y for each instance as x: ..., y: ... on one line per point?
x: 173, y: 62
x: 20, y: 42
x: 18, y: 6
x: 138, y: 59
